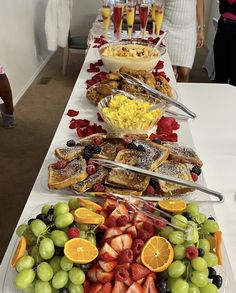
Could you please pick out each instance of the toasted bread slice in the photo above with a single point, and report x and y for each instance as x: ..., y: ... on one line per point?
x: 174, y: 169
x: 97, y: 177
x: 108, y: 149
x: 122, y: 191
x: 183, y: 154
x: 75, y: 171
x: 110, y: 135
x: 69, y: 153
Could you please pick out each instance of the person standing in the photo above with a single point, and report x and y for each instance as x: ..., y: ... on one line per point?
x: 184, y: 19
x: 7, y: 108
x: 225, y: 44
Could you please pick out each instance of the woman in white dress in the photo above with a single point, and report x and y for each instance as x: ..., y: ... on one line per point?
x: 184, y: 19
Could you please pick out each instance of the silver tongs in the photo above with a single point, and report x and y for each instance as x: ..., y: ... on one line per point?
x: 134, y: 81
x: 113, y: 165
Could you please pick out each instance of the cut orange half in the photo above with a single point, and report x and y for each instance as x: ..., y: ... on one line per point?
x: 89, y: 204
x: 218, y: 246
x: 172, y: 205
x: 86, y: 216
x: 157, y: 254
x: 20, y: 251
x: 80, y: 250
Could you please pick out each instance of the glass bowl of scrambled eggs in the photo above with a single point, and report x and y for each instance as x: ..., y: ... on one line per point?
x: 124, y: 114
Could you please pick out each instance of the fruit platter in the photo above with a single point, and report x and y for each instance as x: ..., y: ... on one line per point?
x: 101, y: 243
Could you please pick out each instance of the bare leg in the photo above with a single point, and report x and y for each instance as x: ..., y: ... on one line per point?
x: 183, y: 74
x: 6, y: 94
x: 175, y: 71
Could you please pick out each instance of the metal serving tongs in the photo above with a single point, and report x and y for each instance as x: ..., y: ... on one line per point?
x: 113, y: 165
x: 134, y: 81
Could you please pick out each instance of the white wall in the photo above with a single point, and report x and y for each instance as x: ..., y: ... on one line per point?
x: 23, y: 50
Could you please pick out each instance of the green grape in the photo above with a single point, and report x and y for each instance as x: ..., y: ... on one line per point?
x: 193, y: 209
x: 193, y: 236
x: 42, y: 287
x: 73, y: 204
x: 76, y: 276
x: 179, y: 252
x: 21, y: 229
x: 165, y: 232
x: 193, y: 288
x: 44, y: 271
x: 209, y: 288
x: 75, y: 288
x: 204, y: 244
x: 25, y: 262
x: 61, y: 208
x: 211, y: 240
x: 64, y: 220
x: 66, y: 264
x: 60, y: 279
x: 55, y: 264
x: 180, y: 286
x: 200, y: 218
x: 37, y: 226
x: 83, y: 227
x: 199, y: 264
x: 211, y: 226
x: 30, y: 288
x: 211, y: 259
x: 46, y: 248
x: 35, y: 254
x: 199, y: 278
x: 192, y: 224
x: 176, y: 237
x: 187, y: 244
x: 92, y: 238
x: 206, y: 271
x: 24, y: 278
x: 45, y: 209
x: 59, y: 238
x: 170, y: 282
x: 30, y: 237
x: 176, y: 269
x: 179, y: 221
x: 83, y: 234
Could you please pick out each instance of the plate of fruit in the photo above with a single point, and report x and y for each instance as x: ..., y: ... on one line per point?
x: 101, y: 243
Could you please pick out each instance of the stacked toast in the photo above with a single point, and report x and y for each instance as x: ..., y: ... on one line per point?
x: 74, y: 166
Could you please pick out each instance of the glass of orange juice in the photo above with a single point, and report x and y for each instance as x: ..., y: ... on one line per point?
x: 130, y: 15
x: 106, y: 15
x: 159, y: 13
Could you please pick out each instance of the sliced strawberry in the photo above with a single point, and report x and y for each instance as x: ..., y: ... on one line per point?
x: 132, y: 231
x: 107, y: 288
x: 126, y: 256
x: 104, y: 277
x: 149, y: 285
x: 107, y: 253
x: 109, y: 203
x: 138, y: 271
x: 112, y: 232
x: 135, y: 288
x: 128, y: 282
x: 148, y: 226
x: 144, y: 235
x: 86, y: 286
x: 119, y: 287
x: 121, y: 242
x: 107, y: 266
x: 124, y: 265
x: 119, y: 210
x: 92, y: 274
x: 124, y: 228
x: 140, y: 218
x: 95, y: 288
x: 141, y: 281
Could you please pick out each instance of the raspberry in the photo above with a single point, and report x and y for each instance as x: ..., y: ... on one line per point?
x: 97, y: 141
x: 137, y: 246
x: 119, y: 148
x: 144, y: 235
x: 98, y: 187
x: 126, y: 141
x: 122, y: 274
x: 70, y: 143
x: 150, y: 190
x: 91, y: 169
x: 73, y: 232
x: 110, y: 208
x: 111, y: 222
x: 194, y: 176
x: 60, y: 164
x: 122, y: 220
x: 196, y: 170
x: 125, y: 256
x: 148, y: 226
x: 160, y: 223
x: 191, y: 252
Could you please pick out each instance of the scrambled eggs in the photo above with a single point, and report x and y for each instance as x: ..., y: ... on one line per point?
x: 128, y: 114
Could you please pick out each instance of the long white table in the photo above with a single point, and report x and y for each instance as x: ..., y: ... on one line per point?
x: 40, y: 194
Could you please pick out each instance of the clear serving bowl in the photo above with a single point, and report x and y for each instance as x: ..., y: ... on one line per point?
x: 114, y: 63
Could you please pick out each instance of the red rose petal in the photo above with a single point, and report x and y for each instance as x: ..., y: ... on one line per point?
x: 96, y: 69
x: 72, y: 113
x: 159, y: 65
x: 99, y: 117
x: 82, y: 123
x: 166, y: 125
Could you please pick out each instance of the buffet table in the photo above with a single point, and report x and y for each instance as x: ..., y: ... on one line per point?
x: 214, y: 143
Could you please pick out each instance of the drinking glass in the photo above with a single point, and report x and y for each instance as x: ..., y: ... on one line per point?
x: 123, y: 10
x: 130, y: 15
x: 106, y: 15
x: 153, y: 14
x: 143, y: 15
x: 159, y: 16
x: 117, y: 17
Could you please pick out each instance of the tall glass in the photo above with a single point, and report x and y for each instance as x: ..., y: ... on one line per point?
x: 159, y: 16
x: 143, y: 15
x: 117, y: 17
x: 153, y: 14
x: 123, y: 11
x: 130, y: 15
x: 106, y: 15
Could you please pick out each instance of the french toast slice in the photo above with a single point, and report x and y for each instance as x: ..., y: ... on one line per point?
x: 183, y: 154
x: 108, y: 149
x: 89, y: 139
x: 122, y: 191
x: 174, y: 169
x: 69, y: 153
x: 98, y: 177
x: 74, y: 171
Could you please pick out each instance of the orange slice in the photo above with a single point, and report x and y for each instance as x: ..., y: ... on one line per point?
x: 86, y: 216
x: 218, y: 246
x: 172, y: 205
x: 157, y: 254
x: 80, y: 250
x: 20, y: 251
x: 89, y: 204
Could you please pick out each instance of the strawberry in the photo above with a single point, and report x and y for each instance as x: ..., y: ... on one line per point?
x: 150, y: 190
x: 73, y: 232
x: 194, y: 176
x: 92, y: 274
x: 111, y: 222
x: 128, y: 282
x: 95, y: 288
x: 124, y: 265
x: 107, y: 253
x: 149, y: 285
x: 139, y: 218
x: 141, y: 281
x: 107, y: 266
x: 132, y: 231
x: 119, y: 287
x: 119, y: 210
x: 135, y: 288
x: 107, y: 288
x: 112, y: 232
x: 148, y: 226
x: 138, y: 260
x: 121, y: 242
x: 108, y: 204
x: 126, y: 256
x: 122, y: 220
x: 137, y: 246
x: 144, y: 235
x: 86, y: 286
x: 160, y: 223
x: 138, y: 271
x: 104, y: 277
x: 124, y: 228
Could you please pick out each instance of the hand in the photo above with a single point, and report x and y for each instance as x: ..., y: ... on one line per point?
x: 200, y: 38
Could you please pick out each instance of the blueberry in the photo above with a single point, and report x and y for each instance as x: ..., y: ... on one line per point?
x: 201, y: 252
x: 87, y: 155
x: 85, y: 267
x: 88, y: 148
x: 153, y: 182
x: 212, y: 273
x: 47, y: 219
x: 70, y: 143
x: 141, y: 148
x: 162, y: 286
x: 52, y: 228
x: 30, y: 220
x: 132, y: 146
x: 196, y: 170
x: 157, y: 140
x: 96, y: 149
x: 63, y: 290
x: 51, y: 211
x: 59, y: 251
x: 211, y: 218
x: 187, y: 215
x: 218, y: 281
